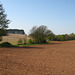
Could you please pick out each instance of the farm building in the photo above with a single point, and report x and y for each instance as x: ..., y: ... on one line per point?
x: 15, y: 31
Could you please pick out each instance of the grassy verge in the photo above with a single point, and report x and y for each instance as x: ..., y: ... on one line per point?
x: 10, y: 45
x: 33, y: 44
x: 27, y: 45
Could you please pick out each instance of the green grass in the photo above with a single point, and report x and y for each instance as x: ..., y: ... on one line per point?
x: 33, y: 44
x: 49, y: 41
x: 27, y: 45
x: 23, y: 45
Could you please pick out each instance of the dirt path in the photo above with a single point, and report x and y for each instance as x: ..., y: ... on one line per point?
x: 57, y: 58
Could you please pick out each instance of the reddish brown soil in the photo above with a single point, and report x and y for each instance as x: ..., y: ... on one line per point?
x: 57, y: 58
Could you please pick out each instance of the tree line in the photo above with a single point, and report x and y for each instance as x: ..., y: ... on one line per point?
x: 63, y: 37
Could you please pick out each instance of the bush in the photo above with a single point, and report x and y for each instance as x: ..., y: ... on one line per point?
x: 20, y: 41
x: 30, y: 41
x: 5, y: 44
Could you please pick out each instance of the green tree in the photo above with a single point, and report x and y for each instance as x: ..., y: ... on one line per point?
x: 40, y: 33
x: 72, y: 36
x: 65, y: 37
x: 3, y: 22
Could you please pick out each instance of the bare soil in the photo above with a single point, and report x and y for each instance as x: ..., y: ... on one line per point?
x: 56, y: 58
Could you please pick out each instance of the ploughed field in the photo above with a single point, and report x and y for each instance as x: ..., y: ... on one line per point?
x: 56, y: 58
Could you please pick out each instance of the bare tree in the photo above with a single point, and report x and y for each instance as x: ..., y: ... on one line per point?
x: 40, y: 33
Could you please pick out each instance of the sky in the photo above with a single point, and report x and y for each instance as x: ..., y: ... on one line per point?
x: 57, y: 15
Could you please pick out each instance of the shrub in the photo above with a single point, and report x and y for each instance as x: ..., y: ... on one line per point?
x: 5, y: 44
x: 20, y: 41
x: 30, y: 41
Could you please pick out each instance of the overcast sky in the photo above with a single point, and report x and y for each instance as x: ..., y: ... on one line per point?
x: 57, y: 15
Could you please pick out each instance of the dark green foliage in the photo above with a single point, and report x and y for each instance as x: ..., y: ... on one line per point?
x: 3, y: 32
x: 64, y: 37
x: 6, y: 44
x: 59, y: 37
x: 40, y: 33
x: 3, y: 21
x: 72, y: 36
